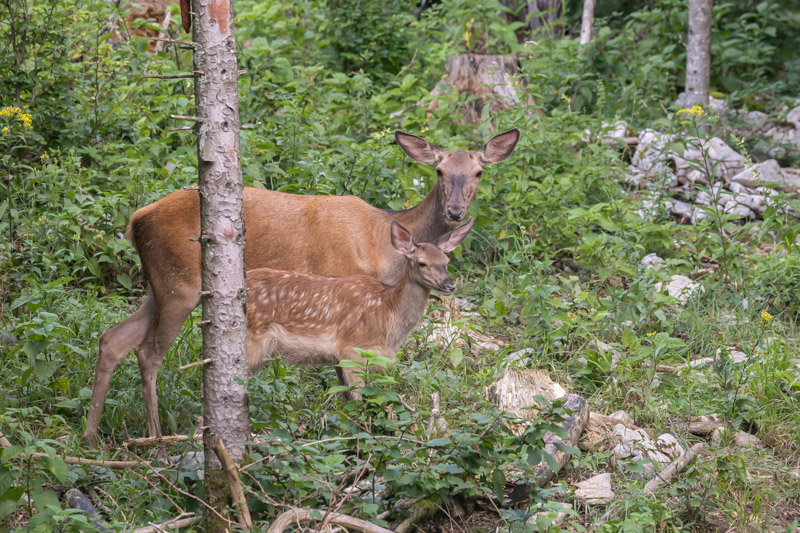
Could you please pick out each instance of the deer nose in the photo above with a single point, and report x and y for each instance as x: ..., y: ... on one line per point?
x: 449, y: 286
x: 455, y: 214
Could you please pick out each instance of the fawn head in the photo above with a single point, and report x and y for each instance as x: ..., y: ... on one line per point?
x: 459, y: 170
x: 427, y: 262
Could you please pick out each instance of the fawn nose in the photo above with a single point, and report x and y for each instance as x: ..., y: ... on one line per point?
x: 449, y: 286
x: 455, y: 214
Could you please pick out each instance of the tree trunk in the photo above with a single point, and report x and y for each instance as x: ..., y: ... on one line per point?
x: 542, y: 14
x: 587, y: 20
x: 222, y: 240
x: 698, y: 53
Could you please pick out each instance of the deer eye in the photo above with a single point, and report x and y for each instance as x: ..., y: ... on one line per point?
x: 439, y: 172
x: 479, y: 174
x: 422, y: 264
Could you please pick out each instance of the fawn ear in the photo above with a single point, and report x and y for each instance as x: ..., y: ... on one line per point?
x: 499, y: 147
x: 401, y: 239
x: 418, y: 148
x: 450, y: 241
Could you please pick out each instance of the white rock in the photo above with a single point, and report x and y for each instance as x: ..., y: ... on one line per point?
x: 738, y: 188
x: 595, y: 490
x: 756, y: 118
x: 746, y: 440
x: 652, y: 154
x: 652, y: 261
x: 603, y: 348
x: 622, y: 416
x: 736, y: 356
x: 768, y: 171
x: 697, y: 363
x: 628, y: 436
x: 514, y: 358
x: 681, y: 288
x: 669, y: 445
x: 793, y: 117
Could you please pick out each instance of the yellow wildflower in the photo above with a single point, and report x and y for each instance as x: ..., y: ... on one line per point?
x: 44, y: 157
x: 651, y: 334
x: 695, y: 111
x: 765, y: 317
x: 5, y: 129
x: 572, y: 316
x: 15, y: 112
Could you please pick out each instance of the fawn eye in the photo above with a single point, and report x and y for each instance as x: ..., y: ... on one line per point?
x: 479, y: 174
x: 439, y: 172
x: 422, y: 264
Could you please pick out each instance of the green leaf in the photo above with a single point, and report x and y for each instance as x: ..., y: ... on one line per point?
x: 44, y: 369
x: 390, y: 474
x: 6, y: 479
x: 9, y: 453
x: 58, y: 467
x: 499, y: 482
x: 125, y: 281
x: 436, y: 443
x: 334, y: 459
x: 7, y: 507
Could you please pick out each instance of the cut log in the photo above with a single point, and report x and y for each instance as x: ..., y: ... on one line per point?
x: 513, y: 393
x: 573, y: 424
x: 487, y: 78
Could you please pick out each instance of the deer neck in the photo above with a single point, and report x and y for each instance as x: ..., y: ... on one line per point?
x: 406, y: 303
x: 426, y: 221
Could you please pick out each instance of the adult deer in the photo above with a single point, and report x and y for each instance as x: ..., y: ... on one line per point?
x: 316, y: 320
x: 324, y: 235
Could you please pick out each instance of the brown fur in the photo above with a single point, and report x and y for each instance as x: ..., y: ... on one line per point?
x: 324, y: 235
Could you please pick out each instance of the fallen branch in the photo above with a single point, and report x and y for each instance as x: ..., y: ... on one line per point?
x: 295, y: 515
x: 175, y: 523
x: 699, y: 428
x: 204, y: 361
x: 675, y: 467
x: 150, y: 442
x: 87, y: 462
x: 234, y: 483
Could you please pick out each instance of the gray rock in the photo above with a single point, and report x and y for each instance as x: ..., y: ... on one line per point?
x: 622, y: 416
x: 668, y: 445
x: 652, y: 261
x: 768, y: 171
x: 793, y: 117
x: 652, y: 154
x: 603, y: 348
x: 680, y: 287
x: 595, y: 490
x: 704, y: 361
x: 756, y: 119
x: 746, y: 440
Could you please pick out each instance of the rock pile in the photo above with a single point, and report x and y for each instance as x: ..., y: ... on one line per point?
x: 675, y: 170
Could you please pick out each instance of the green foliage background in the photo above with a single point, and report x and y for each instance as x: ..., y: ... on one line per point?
x: 551, y: 265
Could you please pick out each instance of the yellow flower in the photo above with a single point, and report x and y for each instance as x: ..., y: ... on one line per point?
x: 5, y: 129
x: 12, y: 112
x: 651, y: 334
x: 695, y: 111
x: 572, y: 316
x: 765, y: 317
x: 44, y: 157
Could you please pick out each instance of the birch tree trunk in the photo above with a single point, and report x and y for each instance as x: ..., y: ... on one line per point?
x: 222, y: 239
x: 698, y: 53
x: 586, y: 21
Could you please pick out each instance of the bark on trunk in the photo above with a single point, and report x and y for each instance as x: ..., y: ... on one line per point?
x: 587, y: 20
x: 222, y: 239
x: 698, y: 53
x: 542, y: 14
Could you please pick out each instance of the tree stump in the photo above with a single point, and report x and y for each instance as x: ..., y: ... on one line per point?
x: 488, y: 78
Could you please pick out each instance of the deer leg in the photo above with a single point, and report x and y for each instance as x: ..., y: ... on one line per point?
x: 347, y: 378
x: 114, y: 345
x: 160, y: 336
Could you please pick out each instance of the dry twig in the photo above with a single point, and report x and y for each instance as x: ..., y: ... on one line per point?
x: 295, y: 516
x: 234, y: 483
x: 675, y: 467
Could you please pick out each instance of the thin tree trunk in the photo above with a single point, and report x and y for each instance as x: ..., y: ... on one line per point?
x: 698, y: 53
x: 587, y: 20
x: 542, y: 14
x: 222, y: 240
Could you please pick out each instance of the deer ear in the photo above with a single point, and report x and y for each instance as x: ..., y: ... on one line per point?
x: 450, y: 241
x: 418, y: 148
x: 401, y: 239
x: 499, y: 147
